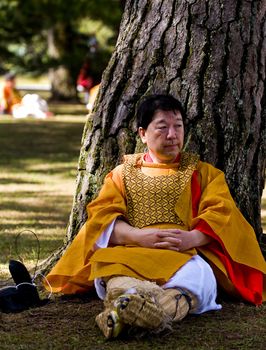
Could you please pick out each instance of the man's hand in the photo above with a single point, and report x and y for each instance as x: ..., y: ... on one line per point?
x: 172, y: 239
x: 187, y: 240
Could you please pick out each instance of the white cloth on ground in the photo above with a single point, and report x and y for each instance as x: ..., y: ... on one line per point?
x: 31, y: 105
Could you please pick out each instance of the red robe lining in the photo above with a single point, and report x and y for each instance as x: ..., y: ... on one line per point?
x: 247, y: 280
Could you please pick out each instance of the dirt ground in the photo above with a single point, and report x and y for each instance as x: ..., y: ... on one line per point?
x: 68, y: 323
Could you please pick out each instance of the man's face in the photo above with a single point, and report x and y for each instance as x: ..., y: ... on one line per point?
x: 11, y: 83
x: 164, y: 136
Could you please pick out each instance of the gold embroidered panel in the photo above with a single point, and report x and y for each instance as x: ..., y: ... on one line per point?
x: 152, y: 199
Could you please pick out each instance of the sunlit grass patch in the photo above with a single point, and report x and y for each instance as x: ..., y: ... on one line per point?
x: 66, y: 109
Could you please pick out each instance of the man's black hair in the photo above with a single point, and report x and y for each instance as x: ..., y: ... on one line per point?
x: 10, y: 76
x: 152, y: 103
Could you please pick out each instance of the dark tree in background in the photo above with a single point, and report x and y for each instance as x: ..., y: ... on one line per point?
x: 211, y: 55
x: 44, y: 36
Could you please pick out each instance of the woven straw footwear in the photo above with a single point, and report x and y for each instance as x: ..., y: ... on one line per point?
x: 176, y: 303
x: 139, y: 310
x: 109, y: 323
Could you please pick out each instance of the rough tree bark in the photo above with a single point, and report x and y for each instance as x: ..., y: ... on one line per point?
x: 211, y: 55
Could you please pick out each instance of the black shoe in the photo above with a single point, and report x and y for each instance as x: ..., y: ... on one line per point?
x: 22, y: 296
x: 19, y: 272
x: 10, y: 300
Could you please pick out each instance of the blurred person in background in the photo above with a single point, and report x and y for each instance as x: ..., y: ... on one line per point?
x: 87, y: 78
x: 85, y: 81
x: 9, y: 96
x: 11, y: 102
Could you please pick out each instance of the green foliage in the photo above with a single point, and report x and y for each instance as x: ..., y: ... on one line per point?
x: 25, y: 27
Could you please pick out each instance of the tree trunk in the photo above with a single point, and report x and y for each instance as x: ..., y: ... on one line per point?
x: 209, y: 54
x: 62, y: 85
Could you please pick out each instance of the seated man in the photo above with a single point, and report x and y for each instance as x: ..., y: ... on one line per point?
x: 9, y: 96
x: 12, y: 103
x: 163, y: 231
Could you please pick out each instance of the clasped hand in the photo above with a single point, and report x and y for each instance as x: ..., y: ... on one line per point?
x: 172, y: 239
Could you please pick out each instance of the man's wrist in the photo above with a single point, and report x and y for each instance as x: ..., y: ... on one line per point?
x: 124, y: 233
x: 201, y: 238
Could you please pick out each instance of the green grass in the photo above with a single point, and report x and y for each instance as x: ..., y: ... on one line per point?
x: 38, y: 161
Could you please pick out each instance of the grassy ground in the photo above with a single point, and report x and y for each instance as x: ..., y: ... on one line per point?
x: 38, y: 161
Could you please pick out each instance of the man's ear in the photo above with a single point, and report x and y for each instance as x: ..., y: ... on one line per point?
x: 142, y: 134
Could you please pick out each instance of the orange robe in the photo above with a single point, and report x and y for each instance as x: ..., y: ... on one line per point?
x: 205, y: 204
x: 8, y: 98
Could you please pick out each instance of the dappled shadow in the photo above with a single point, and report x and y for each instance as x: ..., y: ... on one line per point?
x: 67, y: 170
x: 38, y: 226
x: 36, y: 207
x: 40, y: 215
x: 46, y: 142
x: 66, y: 109
x: 15, y: 180
x: 38, y: 160
x: 26, y: 246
